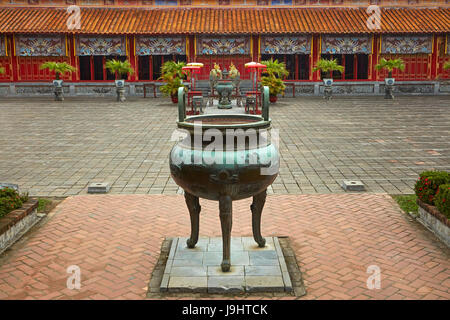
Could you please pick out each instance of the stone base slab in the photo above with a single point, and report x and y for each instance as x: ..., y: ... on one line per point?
x: 253, y: 269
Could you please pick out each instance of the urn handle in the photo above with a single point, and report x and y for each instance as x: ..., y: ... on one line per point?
x: 265, y: 103
x: 181, y: 104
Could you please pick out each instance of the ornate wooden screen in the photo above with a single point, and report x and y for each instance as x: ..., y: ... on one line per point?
x: 223, y: 51
x: 224, y: 61
x: 417, y: 67
x: 414, y: 50
x: 5, y: 62
x: 29, y: 68
x: 443, y: 56
x: 33, y: 50
x: 443, y: 74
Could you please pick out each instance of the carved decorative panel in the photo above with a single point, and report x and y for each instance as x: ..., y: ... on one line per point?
x: 346, y: 44
x: 223, y: 45
x: 40, y: 45
x: 286, y: 45
x: 160, y: 45
x: 406, y: 44
x: 100, y: 46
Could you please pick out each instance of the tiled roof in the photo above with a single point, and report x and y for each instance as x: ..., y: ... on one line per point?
x: 223, y: 21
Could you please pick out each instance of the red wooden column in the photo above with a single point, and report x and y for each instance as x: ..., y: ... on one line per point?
x: 315, y: 56
x: 72, y: 57
x: 132, y: 57
x: 7, y: 62
x: 192, y: 52
x: 434, y: 57
x: 375, y: 56
x: 14, y: 63
x: 255, y: 48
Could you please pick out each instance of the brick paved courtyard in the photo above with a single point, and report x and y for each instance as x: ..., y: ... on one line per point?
x: 116, y: 239
x: 57, y: 149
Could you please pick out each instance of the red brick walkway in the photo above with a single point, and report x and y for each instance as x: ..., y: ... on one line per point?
x: 115, y: 240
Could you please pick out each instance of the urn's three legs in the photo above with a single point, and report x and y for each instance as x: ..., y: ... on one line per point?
x: 257, y: 206
x: 194, y: 211
x: 225, y: 208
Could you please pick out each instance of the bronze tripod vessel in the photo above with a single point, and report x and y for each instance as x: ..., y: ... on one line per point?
x: 224, y: 173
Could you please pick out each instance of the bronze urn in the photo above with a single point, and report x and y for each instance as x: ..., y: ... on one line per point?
x: 224, y: 157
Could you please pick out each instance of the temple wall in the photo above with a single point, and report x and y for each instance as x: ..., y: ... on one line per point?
x: 135, y: 89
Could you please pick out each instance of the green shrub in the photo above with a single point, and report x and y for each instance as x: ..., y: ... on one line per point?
x: 10, y: 200
x: 427, y: 185
x: 407, y: 202
x: 442, y: 200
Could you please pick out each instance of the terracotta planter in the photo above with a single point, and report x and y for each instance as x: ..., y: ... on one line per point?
x: 174, y: 99
x: 273, y: 98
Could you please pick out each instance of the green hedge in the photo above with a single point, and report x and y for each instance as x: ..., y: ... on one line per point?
x: 428, y: 184
x: 10, y: 200
x: 442, y: 200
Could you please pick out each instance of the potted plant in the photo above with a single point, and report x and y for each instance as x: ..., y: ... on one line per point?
x: 447, y: 65
x: 275, y: 73
x: 172, y: 75
x: 276, y: 86
x: 119, y: 69
x: 328, y: 66
x: 390, y: 65
x: 60, y: 68
x: 171, y: 89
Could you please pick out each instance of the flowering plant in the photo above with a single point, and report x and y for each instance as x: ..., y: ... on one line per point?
x: 428, y: 184
x: 10, y: 200
x: 442, y: 200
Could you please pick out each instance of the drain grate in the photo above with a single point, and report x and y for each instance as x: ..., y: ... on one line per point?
x: 99, y: 187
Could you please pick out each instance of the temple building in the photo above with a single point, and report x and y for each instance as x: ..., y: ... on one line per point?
x: 298, y: 32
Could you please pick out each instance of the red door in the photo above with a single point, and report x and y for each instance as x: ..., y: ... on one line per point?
x: 224, y: 62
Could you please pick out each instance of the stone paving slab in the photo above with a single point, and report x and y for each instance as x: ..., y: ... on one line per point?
x: 265, y: 264
x: 58, y: 149
x: 116, y: 241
